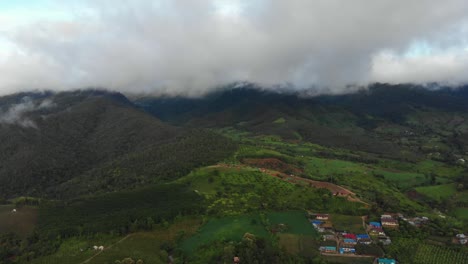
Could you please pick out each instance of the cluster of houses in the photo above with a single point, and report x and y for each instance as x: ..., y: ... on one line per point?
x: 415, y: 221
x: 345, y: 242
x: 321, y: 223
x: 375, y: 230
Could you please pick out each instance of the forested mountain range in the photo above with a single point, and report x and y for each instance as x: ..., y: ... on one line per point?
x: 82, y: 142
x: 396, y: 121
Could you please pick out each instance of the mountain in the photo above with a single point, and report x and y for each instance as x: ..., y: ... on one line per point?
x: 74, y: 143
x: 394, y: 121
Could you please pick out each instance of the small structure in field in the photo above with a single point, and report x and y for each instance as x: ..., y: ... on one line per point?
x: 236, y: 260
x: 14, y: 210
x: 101, y: 248
x: 95, y: 247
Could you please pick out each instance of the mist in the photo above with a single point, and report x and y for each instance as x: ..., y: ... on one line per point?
x: 187, y: 47
x: 16, y: 114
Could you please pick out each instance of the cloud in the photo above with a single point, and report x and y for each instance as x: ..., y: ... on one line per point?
x: 16, y: 114
x: 188, y: 47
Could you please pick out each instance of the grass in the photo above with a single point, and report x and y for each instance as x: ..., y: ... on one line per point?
x: 438, y: 192
x: 280, y: 120
x: 321, y: 168
x: 70, y: 249
x: 295, y: 220
x: 402, y: 180
x: 350, y: 260
x: 140, y: 245
x: 230, y: 228
x: 461, y: 213
x: 22, y: 222
x: 291, y: 243
x: 348, y: 223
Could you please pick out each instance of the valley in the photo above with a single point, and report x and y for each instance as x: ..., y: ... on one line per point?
x: 206, y: 192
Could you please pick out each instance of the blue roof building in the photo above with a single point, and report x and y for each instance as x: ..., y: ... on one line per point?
x: 362, y: 236
x: 316, y: 222
x: 376, y: 224
x: 386, y: 261
x: 349, y: 241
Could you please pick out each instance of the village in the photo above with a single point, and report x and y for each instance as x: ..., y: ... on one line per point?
x: 360, y: 241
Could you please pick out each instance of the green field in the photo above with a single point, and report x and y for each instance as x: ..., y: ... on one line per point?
x: 320, y: 168
x: 352, y: 224
x: 140, y: 245
x: 429, y: 254
x: 22, y: 222
x: 350, y: 260
x: 402, y: 180
x: 438, y: 192
x: 296, y: 222
x: 461, y: 213
x: 227, y: 228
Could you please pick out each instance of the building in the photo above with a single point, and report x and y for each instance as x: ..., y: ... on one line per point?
x: 462, y: 239
x: 364, y: 239
x: 377, y: 231
x: 375, y: 224
x: 349, y: 241
x: 327, y: 249
x: 347, y: 250
x: 322, y: 216
x: 389, y: 222
x: 385, y: 261
x: 316, y: 222
x: 349, y: 236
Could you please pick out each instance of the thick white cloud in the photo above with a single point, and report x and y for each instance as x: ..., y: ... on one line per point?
x: 189, y: 46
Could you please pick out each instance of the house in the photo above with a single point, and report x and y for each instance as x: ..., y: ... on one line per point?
x: 327, y: 249
x: 13, y: 211
x: 364, y: 239
x: 367, y: 241
x: 328, y: 237
x: 349, y: 241
x: 377, y: 231
x: 350, y: 236
x: 347, y: 250
x: 316, y: 222
x: 386, y: 216
x: 389, y: 222
x: 375, y: 224
x: 462, y: 239
x: 385, y: 261
x: 236, y: 260
x: 362, y: 236
x: 322, y: 217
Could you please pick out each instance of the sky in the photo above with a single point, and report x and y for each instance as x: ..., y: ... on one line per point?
x: 188, y: 47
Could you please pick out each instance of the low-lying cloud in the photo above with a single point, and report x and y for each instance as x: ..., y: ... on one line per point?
x: 16, y: 114
x: 188, y: 47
